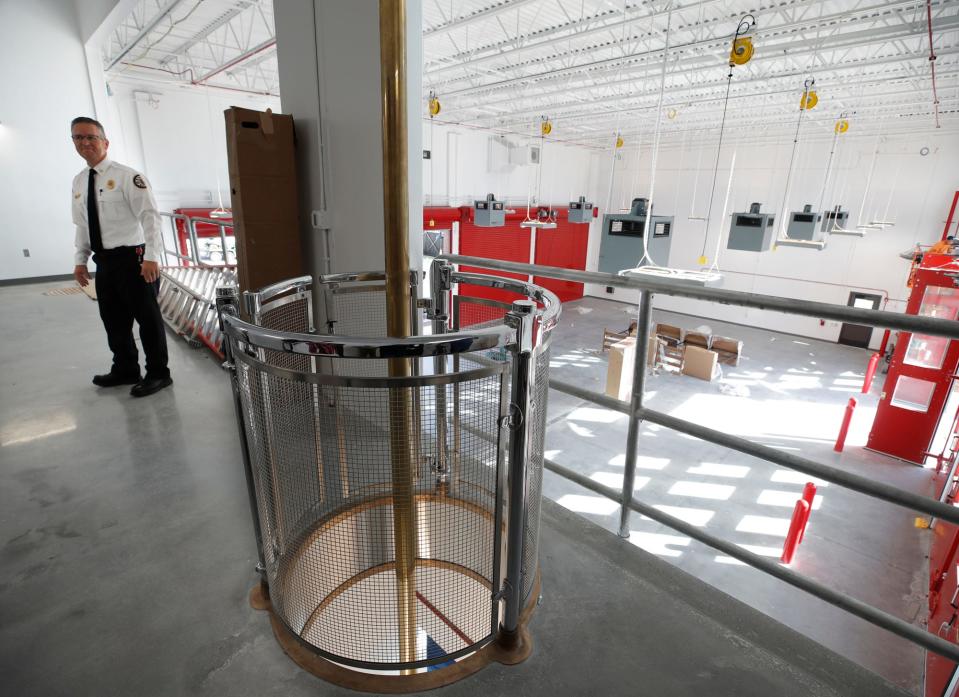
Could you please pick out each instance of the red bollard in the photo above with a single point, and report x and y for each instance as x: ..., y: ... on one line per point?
x: 844, y: 429
x: 800, y: 513
x: 885, y: 342
x: 870, y: 372
x: 808, y: 495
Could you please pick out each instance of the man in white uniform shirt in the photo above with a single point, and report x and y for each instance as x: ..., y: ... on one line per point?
x: 117, y: 220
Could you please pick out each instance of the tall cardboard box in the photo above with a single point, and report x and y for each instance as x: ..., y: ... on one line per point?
x: 263, y: 188
x: 700, y: 363
x: 619, y: 370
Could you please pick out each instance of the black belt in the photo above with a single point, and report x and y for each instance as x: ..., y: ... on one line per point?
x: 119, y: 253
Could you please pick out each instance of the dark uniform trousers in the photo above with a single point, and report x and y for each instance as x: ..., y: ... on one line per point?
x: 124, y: 296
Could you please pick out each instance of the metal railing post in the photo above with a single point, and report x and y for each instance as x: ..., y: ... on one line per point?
x: 226, y: 304
x: 439, y: 313
x: 635, y: 407
x: 191, y: 229
x: 521, y: 317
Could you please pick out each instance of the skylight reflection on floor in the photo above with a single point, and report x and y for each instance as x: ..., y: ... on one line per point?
x: 702, y: 490
x: 764, y: 525
x: 715, y: 469
x: 643, y: 462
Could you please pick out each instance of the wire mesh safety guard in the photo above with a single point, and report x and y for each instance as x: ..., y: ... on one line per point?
x: 321, y: 418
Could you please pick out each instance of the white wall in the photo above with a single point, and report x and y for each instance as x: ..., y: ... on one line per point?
x: 44, y: 86
x: 917, y: 191
x: 177, y: 137
x: 460, y: 171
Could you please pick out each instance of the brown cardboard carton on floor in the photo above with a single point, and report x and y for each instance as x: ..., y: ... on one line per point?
x: 728, y: 349
x: 698, y: 339
x: 699, y: 363
x: 619, y: 372
x: 263, y: 188
x: 672, y: 335
x: 653, y: 350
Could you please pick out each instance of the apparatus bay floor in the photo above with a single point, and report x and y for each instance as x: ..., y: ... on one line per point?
x: 126, y: 548
x: 788, y: 392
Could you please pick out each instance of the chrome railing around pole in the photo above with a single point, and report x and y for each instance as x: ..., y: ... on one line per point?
x: 637, y: 412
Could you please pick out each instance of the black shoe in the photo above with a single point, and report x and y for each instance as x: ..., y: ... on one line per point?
x: 148, y: 386
x: 112, y: 379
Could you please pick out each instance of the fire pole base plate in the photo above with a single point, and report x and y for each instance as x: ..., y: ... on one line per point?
x: 504, y: 649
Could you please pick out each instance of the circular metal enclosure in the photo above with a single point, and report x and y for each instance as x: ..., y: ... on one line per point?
x: 380, y: 466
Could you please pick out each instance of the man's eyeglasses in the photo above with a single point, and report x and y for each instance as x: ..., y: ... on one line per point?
x: 89, y: 139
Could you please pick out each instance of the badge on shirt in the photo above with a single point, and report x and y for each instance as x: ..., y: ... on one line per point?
x: 139, y: 182
x: 110, y: 184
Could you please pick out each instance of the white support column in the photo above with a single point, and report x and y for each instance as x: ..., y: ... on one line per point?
x: 328, y: 55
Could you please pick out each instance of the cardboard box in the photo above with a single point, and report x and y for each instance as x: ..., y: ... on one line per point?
x: 729, y: 350
x: 698, y: 339
x: 654, y: 351
x: 619, y: 372
x: 263, y: 187
x: 672, y: 335
x: 700, y: 363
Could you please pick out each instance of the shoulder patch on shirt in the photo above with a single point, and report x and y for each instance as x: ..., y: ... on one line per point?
x: 139, y: 182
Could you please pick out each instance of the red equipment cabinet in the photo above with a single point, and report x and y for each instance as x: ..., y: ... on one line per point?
x: 563, y: 246
x: 922, y: 370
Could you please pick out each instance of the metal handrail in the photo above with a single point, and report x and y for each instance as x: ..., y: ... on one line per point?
x: 792, y: 306
x: 368, y: 347
x: 637, y: 413
x: 298, y: 284
x: 191, y: 222
x: 549, y: 299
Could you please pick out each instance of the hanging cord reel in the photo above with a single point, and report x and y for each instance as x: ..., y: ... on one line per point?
x: 806, y: 102
x: 740, y: 52
x: 434, y: 108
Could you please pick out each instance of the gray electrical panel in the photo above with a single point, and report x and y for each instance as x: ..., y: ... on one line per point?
x: 837, y: 217
x: 580, y: 211
x: 804, y: 225
x: 752, y: 231
x: 489, y: 213
x: 621, y: 246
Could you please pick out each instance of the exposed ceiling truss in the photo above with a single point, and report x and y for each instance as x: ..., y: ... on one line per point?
x: 595, y: 67
x: 228, y: 44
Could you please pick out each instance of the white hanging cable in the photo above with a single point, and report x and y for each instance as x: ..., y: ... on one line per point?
x: 692, y: 200
x: 832, y: 151
x: 729, y: 187
x: 682, y: 161
x: 616, y: 135
x: 628, y: 196
x: 656, y: 134
x: 872, y: 169
x: 219, y: 211
x: 784, y: 211
x: 885, y: 222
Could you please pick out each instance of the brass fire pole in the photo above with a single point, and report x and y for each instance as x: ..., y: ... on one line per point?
x: 396, y: 235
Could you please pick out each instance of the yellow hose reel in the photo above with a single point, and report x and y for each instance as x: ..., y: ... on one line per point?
x: 809, y: 100
x: 546, y: 127
x: 434, y: 105
x: 742, y: 51
x: 842, y: 125
x: 620, y: 142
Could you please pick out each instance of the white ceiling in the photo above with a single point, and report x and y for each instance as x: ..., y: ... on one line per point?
x: 229, y: 44
x: 596, y: 67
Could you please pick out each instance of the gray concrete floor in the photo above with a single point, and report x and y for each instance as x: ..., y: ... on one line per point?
x: 788, y: 392
x: 126, y: 548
